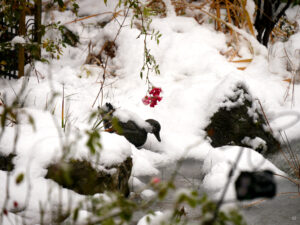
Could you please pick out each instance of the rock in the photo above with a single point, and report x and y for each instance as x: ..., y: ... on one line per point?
x: 239, y: 122
x: 81, y: 177
x: 6, y: 163
x: 251, y: 185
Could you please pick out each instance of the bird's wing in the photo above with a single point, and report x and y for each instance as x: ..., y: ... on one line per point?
x: 133, y: 133
x: 129, y: 127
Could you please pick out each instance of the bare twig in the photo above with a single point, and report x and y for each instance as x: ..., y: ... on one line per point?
x: 230, y: 175
x: 107, y: 57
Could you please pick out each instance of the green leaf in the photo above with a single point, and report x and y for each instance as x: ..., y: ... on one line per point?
x: 3, y: 118
x: 93, y: 142
x: 61, y: 3
x: 116, y: 125
x: 31, y: 121
x: 20, y: 178
x: 162, y: 193
x: 75, y: 216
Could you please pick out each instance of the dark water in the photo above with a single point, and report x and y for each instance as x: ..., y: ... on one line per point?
x: 188, y: 175
x: 282, y: 210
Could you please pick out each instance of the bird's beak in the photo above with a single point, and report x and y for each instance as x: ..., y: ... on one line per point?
x: 157, y: 136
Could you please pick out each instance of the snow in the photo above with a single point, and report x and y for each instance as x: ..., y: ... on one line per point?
x: 18, y: 40
x: 250, y: 7
x: 255, y: 143
x: 88, y: 7
x: 195, y: 79
x: 285, y: 119
x: 126, y: 115
x: 152, y: 219
x: 143, y: 166
x: 156, y: 218
x: 148, y: 194
x: 114, y: 153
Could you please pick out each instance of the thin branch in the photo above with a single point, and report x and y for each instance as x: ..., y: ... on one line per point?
x: 230, y: 175
x: 106, y: 60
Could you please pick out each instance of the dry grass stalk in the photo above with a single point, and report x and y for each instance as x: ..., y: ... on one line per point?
x: 216, y: 6
x: 289, y: 154
x: 295, y: 71
x: 236, y: 14
x: 180, y: 6
x: 115, y: 15
x: 230, y: 54
x: 236, y: 17
x: 242, y: 61
x: 293, y: 162
x: 228, y: 14
x: 263, y: 200
x: 236, y: 33
x: 108, y: 50
x: 283, y: 30
x: 293, y: 159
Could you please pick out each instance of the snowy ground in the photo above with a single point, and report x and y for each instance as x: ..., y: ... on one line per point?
x: 194, y: 78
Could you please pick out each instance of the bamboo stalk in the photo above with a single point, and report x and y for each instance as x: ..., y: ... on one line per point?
x: 246, y: 14
x: 37, y: 24
x: 228, y: 13
x: 218, y: 12
x: 63, y: 109
x: 21, y: 50
x: 115, y: 14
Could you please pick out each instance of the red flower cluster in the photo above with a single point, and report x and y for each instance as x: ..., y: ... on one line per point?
x: 16, y: 204
x: 153, y: 97
x: 155, y: 180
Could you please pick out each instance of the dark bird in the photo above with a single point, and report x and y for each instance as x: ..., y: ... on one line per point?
x: 134, y: 133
